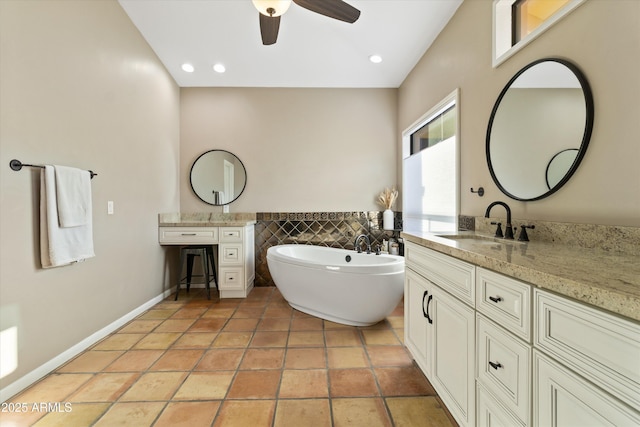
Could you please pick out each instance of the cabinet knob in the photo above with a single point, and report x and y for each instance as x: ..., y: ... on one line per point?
x: 495, y: 299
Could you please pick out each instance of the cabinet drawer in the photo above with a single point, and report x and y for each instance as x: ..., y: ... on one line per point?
x: 504, y: 300
x: 455, y: 276
x: 231, y: 254
x: 601, y: 347
x: 231, y: 234
x: 562, y: 398
x: 503, y: 367
x: 491, y: 413
x: 230, y: 279
x: 187, y: 235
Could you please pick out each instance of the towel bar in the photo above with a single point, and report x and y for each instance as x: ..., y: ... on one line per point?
x: 17, y: 165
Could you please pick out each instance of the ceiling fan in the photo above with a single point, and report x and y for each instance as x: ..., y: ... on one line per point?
x: 271, y: 10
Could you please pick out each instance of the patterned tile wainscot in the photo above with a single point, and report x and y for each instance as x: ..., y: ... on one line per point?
x: 332, y: 229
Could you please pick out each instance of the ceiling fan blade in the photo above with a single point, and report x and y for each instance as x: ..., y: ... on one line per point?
x: 336, y: 9
x: 269, y: 27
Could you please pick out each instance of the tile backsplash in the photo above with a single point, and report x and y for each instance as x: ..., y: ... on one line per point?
x: 331, y: 229
x: 339, y: 229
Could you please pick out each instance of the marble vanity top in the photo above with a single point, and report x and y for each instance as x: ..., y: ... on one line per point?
x: 206, y: 219
x: 606, y: 279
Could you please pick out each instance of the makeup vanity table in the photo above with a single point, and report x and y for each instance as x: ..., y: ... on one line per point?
x: 232, y: 234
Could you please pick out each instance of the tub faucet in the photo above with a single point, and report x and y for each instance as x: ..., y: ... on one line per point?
x: 508, y: 232
x: 357, y: 244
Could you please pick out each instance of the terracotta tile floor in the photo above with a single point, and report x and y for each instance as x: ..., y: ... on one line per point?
x: 238, y: 362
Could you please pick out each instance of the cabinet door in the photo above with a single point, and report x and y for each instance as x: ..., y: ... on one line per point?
x: 416, y: 296
x: 562, y: 398
x: 453, y: 348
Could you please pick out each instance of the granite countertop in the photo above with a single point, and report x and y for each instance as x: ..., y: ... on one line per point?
x: 605, y: 279
x: 206, y: 219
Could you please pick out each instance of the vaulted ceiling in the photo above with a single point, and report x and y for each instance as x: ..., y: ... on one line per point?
x: 311, y: 51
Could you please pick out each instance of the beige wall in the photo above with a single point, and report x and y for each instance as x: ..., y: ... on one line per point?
x: 304, y: 149
x: 79, y: 86
x: 603, y: 39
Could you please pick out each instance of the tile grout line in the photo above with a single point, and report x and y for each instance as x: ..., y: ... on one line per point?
x: 263, y: 304
x: 148, y: 369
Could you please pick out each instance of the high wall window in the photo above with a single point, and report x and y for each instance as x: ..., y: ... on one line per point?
x: 527, y: 15
x: 438, y: 129
x: 517, y: 22
x: 430, y: 175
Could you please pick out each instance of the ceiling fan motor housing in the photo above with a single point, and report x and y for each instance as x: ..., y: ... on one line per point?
x: 272, y: 8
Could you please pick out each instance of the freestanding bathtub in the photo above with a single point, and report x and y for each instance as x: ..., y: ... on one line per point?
x: 337, y: 284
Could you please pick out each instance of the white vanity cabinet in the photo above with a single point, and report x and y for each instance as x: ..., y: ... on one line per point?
x: 502, y: 352
x: 440, y: 326
x: 235, y: 260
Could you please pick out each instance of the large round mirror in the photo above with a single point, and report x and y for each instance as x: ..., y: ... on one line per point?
x: 218, y: 177
x: 539, y: 129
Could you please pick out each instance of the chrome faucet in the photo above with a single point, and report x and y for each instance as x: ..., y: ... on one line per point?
x: 508, y: 232
x: 357, y: 245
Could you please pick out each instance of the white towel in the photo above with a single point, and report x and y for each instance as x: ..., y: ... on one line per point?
x: 60, y: 246
x: 73, y: 194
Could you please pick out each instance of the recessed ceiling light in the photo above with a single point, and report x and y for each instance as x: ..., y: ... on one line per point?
x: 219, y: 68
x: 376, y: 59
x: 188, y: 68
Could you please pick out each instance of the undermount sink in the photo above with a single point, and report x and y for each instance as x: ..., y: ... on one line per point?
x: 477, y: 238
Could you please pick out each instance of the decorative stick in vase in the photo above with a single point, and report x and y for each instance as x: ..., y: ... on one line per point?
x: 386, y: 199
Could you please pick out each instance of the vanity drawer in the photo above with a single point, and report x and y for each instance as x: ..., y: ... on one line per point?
x: 503, y: 366
x: 455, y: 276
x: 231, y: 234
x: 563, y: 398
x: 601, y: 347
x: 504, y: 300
x: 187, y: 235
x: 230, y: 278
x: 231, y: 254
x: 491, y: 412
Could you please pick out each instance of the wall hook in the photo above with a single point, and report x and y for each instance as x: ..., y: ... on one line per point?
x: 479, y: 192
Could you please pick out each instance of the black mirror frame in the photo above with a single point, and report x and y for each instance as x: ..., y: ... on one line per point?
x: 191, y: 180
x: 589, y: 106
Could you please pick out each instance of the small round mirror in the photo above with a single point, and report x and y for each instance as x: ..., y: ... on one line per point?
x: 218, y: 177
x: 539, y: 129
x: 559, y: 165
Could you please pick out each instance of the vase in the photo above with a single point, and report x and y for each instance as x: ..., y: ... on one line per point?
x: 387, y: 219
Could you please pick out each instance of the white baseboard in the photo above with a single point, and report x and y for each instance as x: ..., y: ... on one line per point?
x: 35, y: 375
